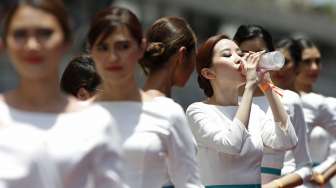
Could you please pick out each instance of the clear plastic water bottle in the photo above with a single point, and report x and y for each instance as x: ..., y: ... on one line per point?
x: 272, y: 61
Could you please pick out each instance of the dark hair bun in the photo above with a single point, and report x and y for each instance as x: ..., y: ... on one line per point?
x: 155, y: 49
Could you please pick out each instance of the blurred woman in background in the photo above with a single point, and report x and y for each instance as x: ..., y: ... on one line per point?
x: 49, y: 139
x: 80, y: 78
x: 157, y: 142
x: 170, y: 55
x: 320, y: 115
x: 255, y: 38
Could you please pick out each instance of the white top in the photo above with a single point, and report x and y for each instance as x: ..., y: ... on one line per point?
x: 297, y: 159
x: 67, y: 150
x: 320, y: 116
x: 320, y: 112
x: 158, y: 145
x: 229, y: 154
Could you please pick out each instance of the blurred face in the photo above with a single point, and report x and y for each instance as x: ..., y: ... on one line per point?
x: 35, y: 42
x: 254, y: 45
x: 285, y: 77
x: 310, y: 67
x: 116, y: 56
x: 226, y: 62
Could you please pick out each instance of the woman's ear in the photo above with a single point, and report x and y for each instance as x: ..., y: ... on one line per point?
x: 182, y: 55
x: 208, y: 73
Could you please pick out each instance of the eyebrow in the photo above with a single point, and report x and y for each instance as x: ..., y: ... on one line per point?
x: 228, y: 49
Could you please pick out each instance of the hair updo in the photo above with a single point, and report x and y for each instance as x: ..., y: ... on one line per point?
x: 165, y: 37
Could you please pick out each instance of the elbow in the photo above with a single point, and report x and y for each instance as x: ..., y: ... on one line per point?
x: 287, y: 146
x: 284, y: 144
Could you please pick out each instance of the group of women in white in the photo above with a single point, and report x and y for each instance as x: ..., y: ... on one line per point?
x: 247, y: 133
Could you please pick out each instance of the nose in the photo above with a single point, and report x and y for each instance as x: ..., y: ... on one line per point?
x: 237, y: 59
x: 32, y: 43
x: 314, y: 66
x: 113, y: 57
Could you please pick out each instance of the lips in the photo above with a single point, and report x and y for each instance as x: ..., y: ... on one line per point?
x: 33, y: 60
x: 113, y: 68
x: 313, y: 75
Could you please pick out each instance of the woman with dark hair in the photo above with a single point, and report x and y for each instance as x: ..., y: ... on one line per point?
x: 80, y: 78
x: 47, y: 138
x: 231, y: 135
x: 157, y: 142
x: 255, y: 38
x: 170, y: 55
x: 319, y: 111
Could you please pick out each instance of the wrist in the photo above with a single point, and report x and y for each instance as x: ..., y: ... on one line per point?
x: 266, y: 86
x: 319, y: 178
x: 278, y: 184
x: 251, y: 85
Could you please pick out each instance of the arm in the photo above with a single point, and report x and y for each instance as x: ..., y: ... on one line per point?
x: 327, y: 115
x: 183, y: 168
x: 220, y: 134
x: 287, y: 181
x: 301, y: 153
x: 325, y: 171
x: 275, y: 137
x: 281, y: 135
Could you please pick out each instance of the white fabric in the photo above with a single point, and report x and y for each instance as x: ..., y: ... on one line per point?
x: 67, y: 150
x: 228, y: 152
x: 320, y: 116
x: 158, y: 145
x: 297, y: 158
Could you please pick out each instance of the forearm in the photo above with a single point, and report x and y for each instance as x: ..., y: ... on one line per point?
x: 278, y: 110
x: 244, y: 110
x: 287, y: 181
x: 322, y: 178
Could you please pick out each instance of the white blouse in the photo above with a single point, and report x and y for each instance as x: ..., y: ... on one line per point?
x: 230, y: 154
x: 296, y: 160
x: 158, y: 145
x: 320, y: 112
x: 320, y: 116
x: 66, y: 150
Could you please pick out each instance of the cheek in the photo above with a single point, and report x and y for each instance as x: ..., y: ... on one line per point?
x: 131, y: 58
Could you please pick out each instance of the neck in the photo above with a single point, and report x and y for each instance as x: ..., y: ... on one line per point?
x: 123, y: 91
x: 160, y: 81
x: 224, y: 96
x: 38, y: 95
x: 301, y: 87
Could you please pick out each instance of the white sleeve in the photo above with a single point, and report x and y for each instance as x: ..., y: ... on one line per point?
x: 301, y: 153
x: 327, y: 115
x: 331, y: 159
x: 183, y: 168
x: 304, y: 172
x: 227, y: 137
x: 107, y: 163
x: 273, y: 135
x: 325, y: 165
